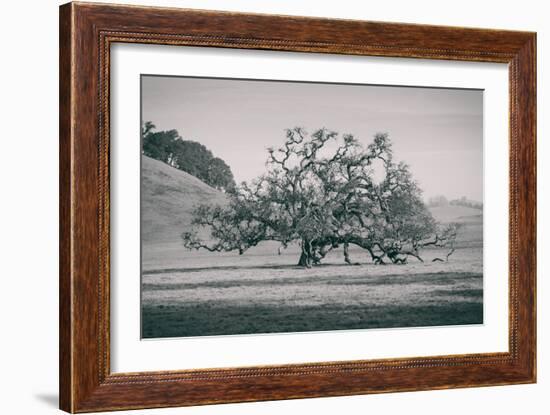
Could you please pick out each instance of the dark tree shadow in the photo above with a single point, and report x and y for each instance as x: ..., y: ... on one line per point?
x: 246, y: 267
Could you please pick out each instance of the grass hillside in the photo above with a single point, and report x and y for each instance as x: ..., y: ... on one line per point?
x: 168, y: 197
x: 471, y: 233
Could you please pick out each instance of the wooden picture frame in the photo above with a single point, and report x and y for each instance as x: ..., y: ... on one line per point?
x: 86, y: 33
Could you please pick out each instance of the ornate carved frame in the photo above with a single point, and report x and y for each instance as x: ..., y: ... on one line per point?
x: 86, y: 33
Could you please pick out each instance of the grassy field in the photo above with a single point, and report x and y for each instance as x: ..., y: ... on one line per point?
x: 291, y: 302
x: 262, y: 292
x: 199, y: 293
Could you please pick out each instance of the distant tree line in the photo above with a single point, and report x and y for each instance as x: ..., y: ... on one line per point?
x: 438, y: 201
x: 321, y: 191
x: 441, y: 201
x: 466, y: 203
x: 189, y: 156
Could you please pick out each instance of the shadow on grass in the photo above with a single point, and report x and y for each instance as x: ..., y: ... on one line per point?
x: 438, y: 279
x: 210, y: 319
x: 234, y: 267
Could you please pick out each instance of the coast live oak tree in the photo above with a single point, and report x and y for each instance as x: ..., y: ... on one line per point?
x: 325, y: 191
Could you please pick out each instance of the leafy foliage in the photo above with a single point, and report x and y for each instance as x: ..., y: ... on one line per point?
x: 189, y: 156
x: 326, y: 190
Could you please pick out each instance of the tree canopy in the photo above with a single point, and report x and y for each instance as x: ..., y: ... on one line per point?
x: 326, y: 190
x: 189, y: 156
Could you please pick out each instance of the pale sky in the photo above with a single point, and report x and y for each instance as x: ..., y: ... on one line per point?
x: 438, y: 132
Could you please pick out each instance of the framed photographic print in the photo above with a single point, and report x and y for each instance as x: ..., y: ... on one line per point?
x: 259, y: 207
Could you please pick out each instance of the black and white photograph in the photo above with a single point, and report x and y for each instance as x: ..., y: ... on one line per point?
x: 296, y: 207
x: 273, y: 206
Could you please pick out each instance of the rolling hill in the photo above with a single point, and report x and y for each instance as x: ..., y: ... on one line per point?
x: 452, y: 213
x: 168, y: 197
x: 471, y: 233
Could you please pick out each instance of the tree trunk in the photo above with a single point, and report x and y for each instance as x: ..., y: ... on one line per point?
x: 347, y: 258
x: 306, y: 258
x: 346, y: 253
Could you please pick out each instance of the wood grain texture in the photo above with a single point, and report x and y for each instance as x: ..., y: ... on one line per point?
x: 86, y: 33
x: 65, y: 246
